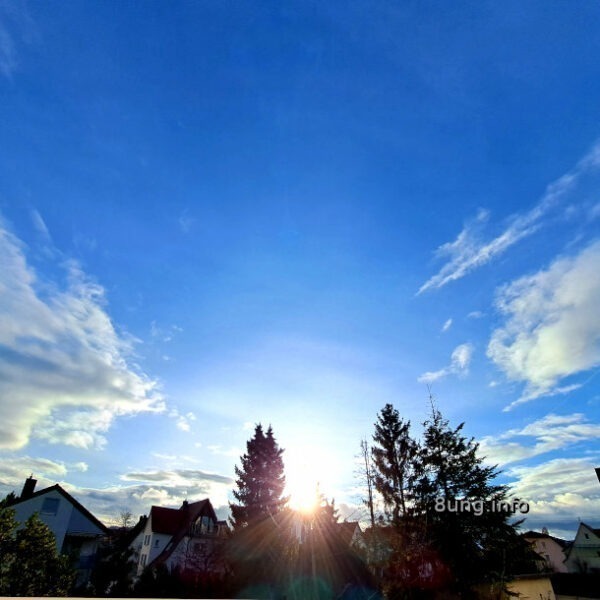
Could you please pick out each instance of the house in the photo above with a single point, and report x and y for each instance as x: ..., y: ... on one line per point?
x: 76, y: 530
x: 550, y: 549
x: 187, y: 540
x: 351, y: 533
x: 583, y: 555
x: 530, y: 587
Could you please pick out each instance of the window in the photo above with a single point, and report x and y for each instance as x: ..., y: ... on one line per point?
x: 50, y: 506
x: 143, y: 560
x: 146, y: 540
x: 156, y: 543
x: 587, y: 537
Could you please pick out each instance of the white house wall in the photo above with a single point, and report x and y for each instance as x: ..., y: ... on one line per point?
x: 584, y: 554
x: 157, y: 543
x: 80, y: 524
x: 58, y: 523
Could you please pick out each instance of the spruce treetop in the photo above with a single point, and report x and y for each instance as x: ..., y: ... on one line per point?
x: 260, y: 480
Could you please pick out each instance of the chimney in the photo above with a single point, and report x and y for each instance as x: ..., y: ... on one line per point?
x: 184, y: 506
x: 28, y: 488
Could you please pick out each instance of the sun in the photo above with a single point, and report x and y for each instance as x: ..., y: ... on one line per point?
x: 302, y: 486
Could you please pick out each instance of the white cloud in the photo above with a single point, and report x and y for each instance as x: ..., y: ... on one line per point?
x: 447, y: 325
x: 560, y: 490
x: 65, y: 371
x: 140, y: 490
x: 476, y: 314
x: 164, y: 334
x: 552, y: 328
x: 459, y: 364
x: 40, y: 225
x: 177, y: 478
x: 16, y: 28
x: 186, y: 222
x: 14, y: 469
x: 552, y: 432
x: 470, y: 251
x: 182, y: 422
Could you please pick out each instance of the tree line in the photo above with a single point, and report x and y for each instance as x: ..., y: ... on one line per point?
x: 416, y: 542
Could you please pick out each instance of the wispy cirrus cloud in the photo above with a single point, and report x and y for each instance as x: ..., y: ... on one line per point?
x: 552, y: 327
x: 552, y: 432
x: 470, y: 250
x: 446, y: 325
x: 459, y: 364
x: 65, y: 371
x: 16, y: 28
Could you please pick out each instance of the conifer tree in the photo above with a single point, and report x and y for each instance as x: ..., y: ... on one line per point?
x: 260, y: 480
x: 456, y: 495
x: 38, y: 569
x: 8, y: 526
x: 422, y: 485
x: 393, y: 452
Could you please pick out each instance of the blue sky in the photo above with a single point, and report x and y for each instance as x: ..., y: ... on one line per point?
x: 218, y: 214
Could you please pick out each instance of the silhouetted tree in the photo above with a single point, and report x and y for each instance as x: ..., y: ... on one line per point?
x: 470, y: 521
x: 113, y: 572
x: 394, y: 453
x: 260, y: 480
x: 8, y: 500
x: 8, y: 525
x: 261, y: 546
x: 366, y: 477
x: 449, y: 525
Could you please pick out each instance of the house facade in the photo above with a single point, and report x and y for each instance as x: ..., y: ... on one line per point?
x: 550, y: 550
x: 187, y: 540
x: 583, y: 555
x: 76, y: 530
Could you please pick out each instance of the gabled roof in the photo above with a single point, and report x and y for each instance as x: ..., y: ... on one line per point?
x: 572, y: 546
x: 177, y: 523
x: 167, y: 520
x: 70, y: 499
x: 537, y: 535
x: 346, y: 530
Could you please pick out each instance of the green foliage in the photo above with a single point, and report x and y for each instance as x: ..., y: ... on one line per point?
x: 260, y: 481
x: 422, y: 486
x: 9, y: 500
x: 8, y: 526
x: 158, y: 582
x: 36, y: 568
x: 112, y: 573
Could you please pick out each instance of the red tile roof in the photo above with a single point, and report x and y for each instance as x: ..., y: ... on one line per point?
x: 177, y: 523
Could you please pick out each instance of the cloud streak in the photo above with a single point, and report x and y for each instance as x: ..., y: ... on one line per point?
x: 65, y: 371
x: 550, y: 433
x: 469, y: 250
x: 459, y: 365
